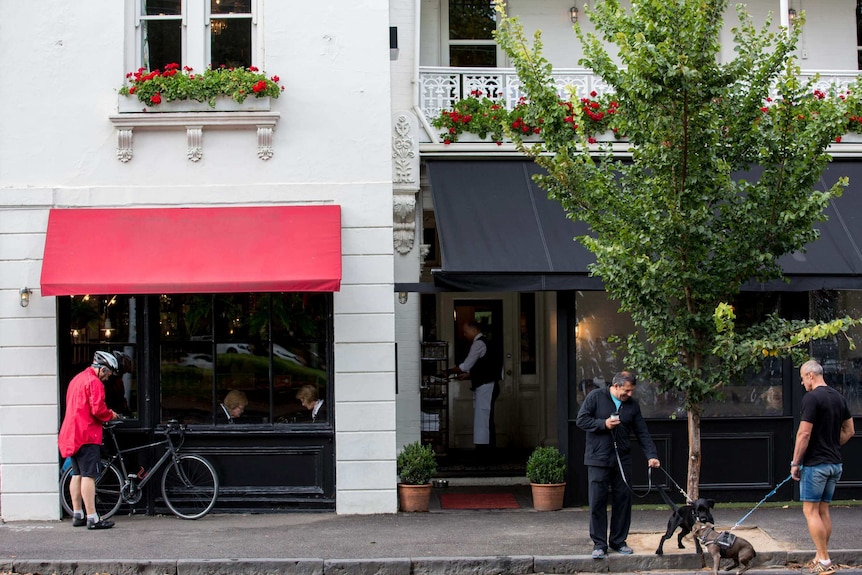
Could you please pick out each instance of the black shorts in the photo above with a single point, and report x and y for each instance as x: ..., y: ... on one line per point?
x: 86, y: 461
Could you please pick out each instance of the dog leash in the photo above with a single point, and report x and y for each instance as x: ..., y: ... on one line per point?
x: 623, y: 472
x: 768, y: 495
x: 688, y: 499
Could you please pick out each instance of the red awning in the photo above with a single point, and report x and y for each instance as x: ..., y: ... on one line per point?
x: 192, y: 250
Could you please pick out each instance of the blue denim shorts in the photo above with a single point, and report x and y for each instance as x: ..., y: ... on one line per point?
x: 818, y: 482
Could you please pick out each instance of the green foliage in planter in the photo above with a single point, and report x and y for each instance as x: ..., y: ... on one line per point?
x: 154, y: 87
x: 546, y: 465
x: 416, y: 464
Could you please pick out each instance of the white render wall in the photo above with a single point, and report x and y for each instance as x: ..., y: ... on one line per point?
x: 331, y: 145
x: 828, y: 40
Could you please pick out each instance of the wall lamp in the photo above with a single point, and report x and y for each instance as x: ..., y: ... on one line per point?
x: 24, y: 294
x: 791, y: 15
x: 573, y: 14
x: 402, y: 297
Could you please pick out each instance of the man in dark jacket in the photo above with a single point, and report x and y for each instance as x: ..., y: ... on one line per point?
x: 608, y: 416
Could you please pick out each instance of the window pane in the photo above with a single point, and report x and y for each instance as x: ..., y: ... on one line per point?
x: 161, y: 43
x: 300, y: 352
x: 107, y: 323
x: 230, y: 6
x: 472, y: 20
x: 161, y: 7
x: 267, y: 346
x: 230, y: 42
x: 473, y: 56
x: 186, y: 370
x: 842, y: 366
x: 528, y: 333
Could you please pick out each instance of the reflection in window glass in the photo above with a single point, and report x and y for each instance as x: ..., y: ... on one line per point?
x: 266, y: 346
x: 230, y: 42
x: 528, y: 333
x: 759, y: 393
x: 162, y: 43
x: 472, y: 20
x: 107, y: 323
x: 473, y: 56
x: 842, y: 366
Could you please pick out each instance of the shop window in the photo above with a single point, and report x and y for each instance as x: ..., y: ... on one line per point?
x: 107, y: 323
x: 267, y: 346
x: 599, y: 324
x: 842, y: 365
x: 194, y: 33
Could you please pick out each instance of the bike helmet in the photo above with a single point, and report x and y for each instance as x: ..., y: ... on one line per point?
x: 124, y: 362
x: 105, y: 359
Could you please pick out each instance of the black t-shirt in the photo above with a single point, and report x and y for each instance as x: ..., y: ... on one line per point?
x: 826, y: 410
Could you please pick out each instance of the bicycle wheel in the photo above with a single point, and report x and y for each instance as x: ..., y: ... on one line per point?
x: 190, y: 486
x: 109, y: 484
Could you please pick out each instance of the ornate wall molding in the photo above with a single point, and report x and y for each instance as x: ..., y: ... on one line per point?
x: 405, y: 181
x: 194, y: 123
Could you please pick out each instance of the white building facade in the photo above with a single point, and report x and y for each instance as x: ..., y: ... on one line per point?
x: 324, y: 142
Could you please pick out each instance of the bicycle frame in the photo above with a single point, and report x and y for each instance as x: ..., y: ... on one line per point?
x: 171, y: 451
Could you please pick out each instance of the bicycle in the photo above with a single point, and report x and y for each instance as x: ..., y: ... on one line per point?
x: 190, y: 484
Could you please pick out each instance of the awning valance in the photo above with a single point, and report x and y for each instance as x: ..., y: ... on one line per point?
x: 192, y: 250
x: 498, y: 231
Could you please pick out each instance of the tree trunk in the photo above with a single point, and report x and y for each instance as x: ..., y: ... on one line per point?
x: 694, y: 454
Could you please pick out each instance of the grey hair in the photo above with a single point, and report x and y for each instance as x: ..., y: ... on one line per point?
x: 624, y: 377
x: 811, y: 366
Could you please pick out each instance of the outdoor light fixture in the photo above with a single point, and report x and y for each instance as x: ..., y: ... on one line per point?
x: 402, y: 297
x: 573, y: 13
x: 24, y: 294
x: 791, y: 14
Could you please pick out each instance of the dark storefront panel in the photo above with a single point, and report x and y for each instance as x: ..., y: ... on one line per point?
x: 273, y: 458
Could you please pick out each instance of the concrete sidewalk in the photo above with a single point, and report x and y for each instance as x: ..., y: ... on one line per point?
x: 441, y: 542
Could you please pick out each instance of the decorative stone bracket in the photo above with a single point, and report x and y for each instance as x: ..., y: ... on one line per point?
x: 194, y: 124
x: 405, y: 170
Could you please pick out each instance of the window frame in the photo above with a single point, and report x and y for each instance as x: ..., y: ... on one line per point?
x: 446, y: 42
x: 195, y: 21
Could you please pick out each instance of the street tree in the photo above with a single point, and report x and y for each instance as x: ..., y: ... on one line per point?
x: 720, y: 183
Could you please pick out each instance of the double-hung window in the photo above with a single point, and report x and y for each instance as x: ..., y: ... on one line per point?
x: 194, y: 33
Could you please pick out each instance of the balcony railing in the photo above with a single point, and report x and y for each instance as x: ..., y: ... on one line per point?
x: 440, y: 88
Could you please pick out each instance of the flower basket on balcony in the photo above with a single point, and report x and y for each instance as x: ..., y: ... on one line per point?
x: 488, y: 119
x: 220, y: 89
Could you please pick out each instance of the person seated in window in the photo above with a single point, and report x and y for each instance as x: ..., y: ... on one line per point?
x: 232, y: 407
x: 307, y: 396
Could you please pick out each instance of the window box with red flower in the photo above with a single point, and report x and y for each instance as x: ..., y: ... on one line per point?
x: 226, y: 98
x: 214, y: 90
x: 489, y: 119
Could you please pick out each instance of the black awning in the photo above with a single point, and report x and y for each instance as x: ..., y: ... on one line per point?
x: 499, y: 231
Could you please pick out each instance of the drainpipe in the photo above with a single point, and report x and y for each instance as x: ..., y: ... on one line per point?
x: 416, y: 44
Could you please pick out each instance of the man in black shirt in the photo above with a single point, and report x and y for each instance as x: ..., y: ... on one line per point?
x: 825, y: 425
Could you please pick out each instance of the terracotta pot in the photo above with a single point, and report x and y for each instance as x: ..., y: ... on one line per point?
x: 413, y: 497
x: 548, y: 496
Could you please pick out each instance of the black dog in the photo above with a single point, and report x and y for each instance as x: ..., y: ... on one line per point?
x: 685, y: 518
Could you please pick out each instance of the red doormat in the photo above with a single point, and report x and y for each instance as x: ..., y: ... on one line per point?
x: 478, y: 501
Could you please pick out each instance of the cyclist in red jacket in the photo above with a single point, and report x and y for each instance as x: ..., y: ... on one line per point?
x: 81, y: 436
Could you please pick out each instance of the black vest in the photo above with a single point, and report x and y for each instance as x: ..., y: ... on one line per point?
x: 489, y: 367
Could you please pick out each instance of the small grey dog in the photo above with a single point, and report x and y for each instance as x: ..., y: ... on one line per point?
x: 725, y: 544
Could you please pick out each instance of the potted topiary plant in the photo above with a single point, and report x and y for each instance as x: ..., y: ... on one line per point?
x: 415, y: 464
x: 546, y: 471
